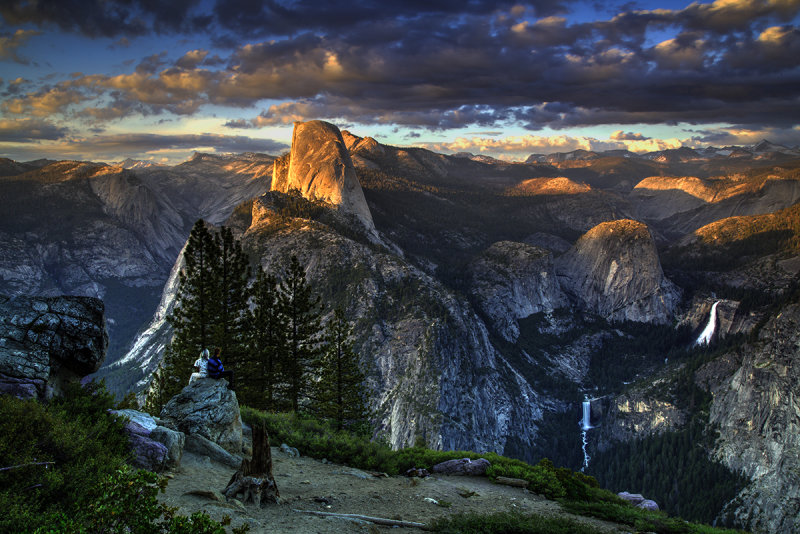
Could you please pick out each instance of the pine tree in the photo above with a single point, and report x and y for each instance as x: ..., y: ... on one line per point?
x: 302, y: 314
x: 340, y: 393
x: 231, y: 273
x: 196, y: 305
x: 266, y: 343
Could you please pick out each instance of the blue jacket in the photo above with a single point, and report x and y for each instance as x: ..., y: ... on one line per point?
x: 215, y: 367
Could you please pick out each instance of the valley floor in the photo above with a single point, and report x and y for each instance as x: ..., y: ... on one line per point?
x: 304, y: 482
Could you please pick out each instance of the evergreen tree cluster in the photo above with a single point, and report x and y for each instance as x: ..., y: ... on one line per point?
x: 270, y: 333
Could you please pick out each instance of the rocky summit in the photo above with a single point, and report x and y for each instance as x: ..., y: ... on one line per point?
x: 613, y: 270
x: 45, y: 342
x: 319, y: 166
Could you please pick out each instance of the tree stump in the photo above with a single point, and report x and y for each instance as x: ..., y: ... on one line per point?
x: 254, y: 478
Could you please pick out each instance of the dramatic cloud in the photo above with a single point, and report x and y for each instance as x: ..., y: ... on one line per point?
x: 29, y: 130
x: 519, y: 147
x: 436, y: 65
x: 619, y: 135
x: 148, y: 146
x: 9, y: 43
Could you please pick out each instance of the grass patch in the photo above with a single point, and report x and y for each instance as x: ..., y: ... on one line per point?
x: 578, y: 493
x: 508, y: 522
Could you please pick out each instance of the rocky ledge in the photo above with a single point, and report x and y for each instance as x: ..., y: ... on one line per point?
x: 45, y: 342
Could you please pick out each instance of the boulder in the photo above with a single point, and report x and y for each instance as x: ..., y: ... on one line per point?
x: 154, y: 447
x: 207, y: 408
x: 173, y: 440
x: 638, y: 501
x: 464, y: 466
x: 46, y: 342
x: 199, y: 445
x: 290, y: 451
x: 147, y: 453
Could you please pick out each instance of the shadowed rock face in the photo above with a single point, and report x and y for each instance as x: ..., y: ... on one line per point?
x: 320, y: 167
x: 512, y: 281
x: 46, y: 341
x: 613, y: 270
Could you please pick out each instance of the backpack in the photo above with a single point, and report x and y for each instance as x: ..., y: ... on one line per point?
x: 215, y: 367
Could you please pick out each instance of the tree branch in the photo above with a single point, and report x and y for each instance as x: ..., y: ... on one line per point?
x: 376, y: 520
x: 24, y: 465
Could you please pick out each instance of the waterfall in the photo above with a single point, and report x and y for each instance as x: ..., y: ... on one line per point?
x: 586, y: 421
x: 708, y: 331
x: 586, y: 424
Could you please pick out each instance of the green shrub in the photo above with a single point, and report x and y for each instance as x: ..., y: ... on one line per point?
x: 508, y: 523
x: 68, y: 471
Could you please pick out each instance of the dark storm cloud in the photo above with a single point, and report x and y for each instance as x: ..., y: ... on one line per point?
x: 29, y: 130
x: 107, y: 18
x: 149, y: 142
x: 447, y: 64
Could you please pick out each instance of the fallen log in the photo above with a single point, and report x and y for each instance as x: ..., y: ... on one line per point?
x: 377, y: 520
x: 516, y: 482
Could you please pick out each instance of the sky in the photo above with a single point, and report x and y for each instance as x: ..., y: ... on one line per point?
x: 104, y: 80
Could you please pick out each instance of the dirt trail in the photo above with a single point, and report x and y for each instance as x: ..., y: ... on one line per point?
x: 309, y: 484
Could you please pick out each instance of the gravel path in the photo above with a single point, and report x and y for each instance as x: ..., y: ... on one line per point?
x: 309, y: 484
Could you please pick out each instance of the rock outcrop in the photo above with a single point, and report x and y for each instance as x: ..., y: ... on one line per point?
x: 756, y: 407
x: 206, y: 407
x: 512, y: 281
x: 154, y: 447
x: 45, y: 342
x: 319, y: 166
x: 613, y: 270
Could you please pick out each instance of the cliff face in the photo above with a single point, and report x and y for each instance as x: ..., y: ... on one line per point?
x: 75, y: 228
x: 45, y: 342
x: 757, y: 408
x: 614, y: 270
x: 511, y: 281
x: 319, y: 166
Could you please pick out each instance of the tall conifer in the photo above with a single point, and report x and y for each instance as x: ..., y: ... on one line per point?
x: 266, y: 342
x: 340, y: 393
x: 302, y: 312
x: 196, y: 305
x: 231, y: 273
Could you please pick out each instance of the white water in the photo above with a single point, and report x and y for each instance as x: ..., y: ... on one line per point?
x: 708, y: 331
x: 586, y: 424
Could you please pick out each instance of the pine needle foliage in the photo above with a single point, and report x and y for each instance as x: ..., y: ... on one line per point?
x: 339, y: 393
x: 266, y: 344
x: 301, y: 309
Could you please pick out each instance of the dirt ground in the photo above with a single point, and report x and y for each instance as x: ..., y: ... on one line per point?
x: 309, y: 484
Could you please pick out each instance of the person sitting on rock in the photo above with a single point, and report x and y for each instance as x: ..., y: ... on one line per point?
x: 217, y: 370
x: 200, y: 366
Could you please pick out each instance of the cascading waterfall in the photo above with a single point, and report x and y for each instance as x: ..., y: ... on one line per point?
x: 708, y: 331
x: 586, y: 424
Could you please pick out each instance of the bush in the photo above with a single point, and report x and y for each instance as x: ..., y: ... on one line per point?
x: 508, y: 522
x: 69, y: 472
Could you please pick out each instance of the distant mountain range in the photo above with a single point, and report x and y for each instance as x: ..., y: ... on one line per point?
x: 761, y: 150
x: 489, y: 298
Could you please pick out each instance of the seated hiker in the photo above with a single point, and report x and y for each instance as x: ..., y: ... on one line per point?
x: 217, y: 370
x: 200, y: 366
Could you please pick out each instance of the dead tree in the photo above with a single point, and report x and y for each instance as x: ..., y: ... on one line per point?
x: 254, y: 478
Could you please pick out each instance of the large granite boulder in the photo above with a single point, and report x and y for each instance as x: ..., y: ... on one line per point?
x: 45, y: 342
x: 154, y: 447
x: 208, y: 408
